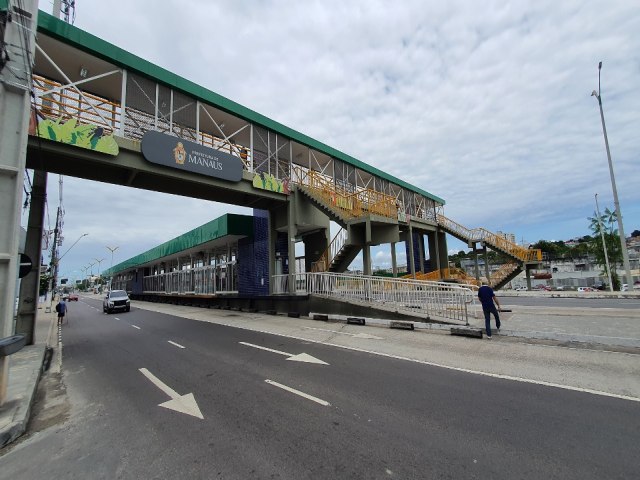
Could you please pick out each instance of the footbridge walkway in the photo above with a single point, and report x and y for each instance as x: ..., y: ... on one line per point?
x: 91, y: 110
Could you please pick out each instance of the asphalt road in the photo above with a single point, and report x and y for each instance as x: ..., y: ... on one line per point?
x: 570, y: 302
x: 381, y: 417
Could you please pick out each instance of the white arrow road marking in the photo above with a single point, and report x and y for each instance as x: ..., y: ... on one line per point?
x: 301, y: 357
x: 298, y: 392
x: 135, y: 326
x: 175, y: 344
x: 355, y: 335
x: 180, y: 403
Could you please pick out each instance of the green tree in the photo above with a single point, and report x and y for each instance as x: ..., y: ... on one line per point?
x: 607, y: 224
x: 44, y: 283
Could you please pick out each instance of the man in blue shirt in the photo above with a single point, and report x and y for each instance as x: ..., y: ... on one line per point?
x: 61, y: 308
x: 487, y: 298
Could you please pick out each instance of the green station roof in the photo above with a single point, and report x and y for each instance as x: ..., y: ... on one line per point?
x: 84, y: 41
x: 226, y: 225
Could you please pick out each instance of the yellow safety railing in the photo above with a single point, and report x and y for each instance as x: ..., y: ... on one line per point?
x: 497, y: 241
x: 55, y: 101
x: 351, y: 204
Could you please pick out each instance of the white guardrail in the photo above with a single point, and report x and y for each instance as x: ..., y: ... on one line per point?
x: 438, y: 300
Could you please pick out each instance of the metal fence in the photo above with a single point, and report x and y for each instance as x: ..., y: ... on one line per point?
x: 207, y: 280
x: 437, y: 300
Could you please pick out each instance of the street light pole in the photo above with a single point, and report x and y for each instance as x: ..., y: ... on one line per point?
x: 604, y: 245
x: 623, y: 240
x: 111, y: 249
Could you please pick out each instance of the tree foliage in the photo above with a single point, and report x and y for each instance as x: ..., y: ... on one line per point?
x: 605, y: 227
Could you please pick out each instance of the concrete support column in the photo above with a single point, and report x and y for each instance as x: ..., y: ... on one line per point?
x: 486, y: 263
x: 366, y: 259
x: 394, y: 264
x: 443, y: 252
x: 30, y: 284
x: 15, y: 114
x: 475, y: 261
x: 410, y: 261
x: 421, y: 252
x: 528, y: 273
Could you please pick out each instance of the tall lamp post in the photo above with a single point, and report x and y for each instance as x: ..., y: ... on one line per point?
x: 604, y: 245
x: 55, y: 262
x: 623, y: 241
x: 99, y: 262
x: 111, y: 249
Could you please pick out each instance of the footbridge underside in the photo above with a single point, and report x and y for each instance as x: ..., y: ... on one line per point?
x: 129, y: 168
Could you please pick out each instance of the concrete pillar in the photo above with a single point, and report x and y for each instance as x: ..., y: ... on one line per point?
x: 528, y: 273
x: 443, y: 252
x: 486, y: 263
x: 394, y: 264
x: 15, y: 114
x: 475, y: 261
x: 315, y: 244
x: 410, y: 261
x: 366, y: 259
x: 421, y: 251
x: 30, y: 284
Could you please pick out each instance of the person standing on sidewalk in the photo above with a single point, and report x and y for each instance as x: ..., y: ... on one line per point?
x: 489, y: 301
x: 61, y: 308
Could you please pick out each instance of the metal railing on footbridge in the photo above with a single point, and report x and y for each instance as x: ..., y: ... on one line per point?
x: 207, y: 280
x: 436, y: 300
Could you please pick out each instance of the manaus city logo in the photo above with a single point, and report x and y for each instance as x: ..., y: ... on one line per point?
x: 180, y: 154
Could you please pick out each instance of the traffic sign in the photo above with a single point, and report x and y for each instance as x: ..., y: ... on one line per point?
x: 25, y: 265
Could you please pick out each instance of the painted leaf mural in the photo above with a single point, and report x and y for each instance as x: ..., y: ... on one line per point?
x: 86, y: 136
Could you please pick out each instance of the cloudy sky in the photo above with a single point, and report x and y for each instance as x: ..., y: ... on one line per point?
x: 485, y: 104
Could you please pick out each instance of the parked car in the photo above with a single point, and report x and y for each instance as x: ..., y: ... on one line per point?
x: 636, y: 285
x: 73, y: 297
x: 116, y: 300
x: 585, y: 289
x: 542, y: 287
x: 520, y: 289
x: 624, y: 287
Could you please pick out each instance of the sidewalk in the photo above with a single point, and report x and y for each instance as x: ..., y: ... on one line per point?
x: 606, y: 330
x: 25, y: 368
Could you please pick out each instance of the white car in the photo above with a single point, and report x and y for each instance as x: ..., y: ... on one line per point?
x: 520, y: 289
x: 585, y: 289
x: 116, y: 300
x: 624, y: 287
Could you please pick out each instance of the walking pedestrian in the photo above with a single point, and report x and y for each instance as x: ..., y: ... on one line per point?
x: 61, y: 308
x: 489, y: 301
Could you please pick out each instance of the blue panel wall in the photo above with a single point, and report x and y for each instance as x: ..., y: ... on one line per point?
x: 253, y: 258
x: 416, y: 252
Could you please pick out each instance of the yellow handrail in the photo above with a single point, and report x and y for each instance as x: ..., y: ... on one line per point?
x: 492, y: 239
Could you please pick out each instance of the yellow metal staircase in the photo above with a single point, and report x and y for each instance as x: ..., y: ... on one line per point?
x: 520, y: 255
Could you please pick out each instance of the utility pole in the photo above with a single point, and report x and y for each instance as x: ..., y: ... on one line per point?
x: 623, y: 239
x: 30, y: 284
x: 54, y: 256
x: 17, y: 54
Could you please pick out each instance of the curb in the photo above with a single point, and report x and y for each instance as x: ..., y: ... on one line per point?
x: 23, y: 400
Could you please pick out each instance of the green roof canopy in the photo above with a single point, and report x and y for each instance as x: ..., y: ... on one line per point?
x: 60, y: 30
x: 229, y: 224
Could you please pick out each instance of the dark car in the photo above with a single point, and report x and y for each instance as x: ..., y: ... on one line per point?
x: 116, y: 300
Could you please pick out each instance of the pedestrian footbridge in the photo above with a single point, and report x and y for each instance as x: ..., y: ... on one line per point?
x: 101, y: 113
